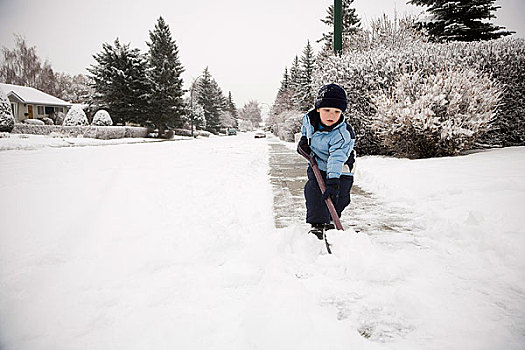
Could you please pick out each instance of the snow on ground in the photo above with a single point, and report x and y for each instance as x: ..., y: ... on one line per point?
x: 471, y: 209
x: 172, y: 245
x: 9, y: 142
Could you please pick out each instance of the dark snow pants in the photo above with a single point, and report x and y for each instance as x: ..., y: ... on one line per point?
x: 316, y: 209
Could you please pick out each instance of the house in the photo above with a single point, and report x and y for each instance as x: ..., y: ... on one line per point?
x: 29, y: 103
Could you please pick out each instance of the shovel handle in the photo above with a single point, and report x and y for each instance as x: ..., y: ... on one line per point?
x: 322, y: 187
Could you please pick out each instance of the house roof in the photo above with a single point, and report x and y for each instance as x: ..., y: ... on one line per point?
x: 30, y: 95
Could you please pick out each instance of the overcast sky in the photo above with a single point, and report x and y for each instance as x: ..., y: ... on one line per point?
x: 246, y: 44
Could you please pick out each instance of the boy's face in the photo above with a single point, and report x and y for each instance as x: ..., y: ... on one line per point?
x: 329, y: 115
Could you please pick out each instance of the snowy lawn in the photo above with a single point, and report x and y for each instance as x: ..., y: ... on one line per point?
x: 10, y: 142
x: 471, y: 209
x: 172, y: 246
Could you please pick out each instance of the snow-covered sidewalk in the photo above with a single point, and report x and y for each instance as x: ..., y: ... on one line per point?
x: 172, y: 245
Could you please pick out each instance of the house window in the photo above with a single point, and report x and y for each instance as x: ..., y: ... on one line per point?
x: 40, y: 110
x: 59, y: 109
x: 50, y: 110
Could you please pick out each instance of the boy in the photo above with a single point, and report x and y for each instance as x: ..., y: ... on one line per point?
x: 327, y: 137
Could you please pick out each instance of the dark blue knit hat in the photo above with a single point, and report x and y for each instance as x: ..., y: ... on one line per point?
x: 331, y: 95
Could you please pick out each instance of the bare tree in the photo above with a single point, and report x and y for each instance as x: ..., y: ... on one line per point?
x: 22, y: 66
x: 251, y: 112
x: 76, y: 89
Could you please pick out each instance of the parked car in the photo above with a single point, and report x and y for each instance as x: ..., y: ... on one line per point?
x: 259, y: 134
x: 232, y: 131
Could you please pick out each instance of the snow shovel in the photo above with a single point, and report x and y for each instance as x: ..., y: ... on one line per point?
x: 320, y: 182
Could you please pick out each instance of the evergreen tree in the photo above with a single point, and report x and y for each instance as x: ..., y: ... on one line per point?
x: 460, y: 20
x: 351, y: 23
x: 212, y: 100
x: 232, y: 109
x: 295, y: 74
x: 285, y: 83
x: 305, y: 93
x: 164, y: 73
x: 283, y: 101
x: 295, y: 82
x: 120, y: 82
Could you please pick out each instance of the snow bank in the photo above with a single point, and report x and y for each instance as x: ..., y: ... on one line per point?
x: 477, y: 199
x: 471, y: 211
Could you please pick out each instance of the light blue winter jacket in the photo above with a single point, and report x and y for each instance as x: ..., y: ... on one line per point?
x: 332, y: 145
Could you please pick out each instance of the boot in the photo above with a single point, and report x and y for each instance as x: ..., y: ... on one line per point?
x: 318, y: 230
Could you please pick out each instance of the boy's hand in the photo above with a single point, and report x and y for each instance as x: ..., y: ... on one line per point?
x: 332, y: 189
x: 303, y: 143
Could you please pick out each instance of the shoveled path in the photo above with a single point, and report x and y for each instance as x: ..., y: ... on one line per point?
x: 386, y: 223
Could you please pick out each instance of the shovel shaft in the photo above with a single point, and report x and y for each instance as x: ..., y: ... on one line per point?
x: 322, y: 187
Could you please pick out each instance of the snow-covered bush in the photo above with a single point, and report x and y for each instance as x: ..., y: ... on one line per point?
x: 58, y: 118
x: 75, y: 116
x: 48, y: 121
x: 7, y: 121
x: 387, y: 32
x: 245, y: 125
x: 286, y: 124
x: 37, y: 122
x: 429, y: 115
x: 183, y: 132
x: 102, y: 118
x: 377, y: 70
x: 504, y: 60
x: 99, y: 132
